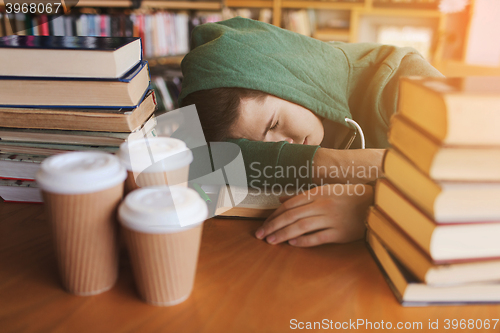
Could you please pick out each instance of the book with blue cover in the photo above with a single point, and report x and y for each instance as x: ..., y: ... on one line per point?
x: 69, y: 56
x: 53, y: 92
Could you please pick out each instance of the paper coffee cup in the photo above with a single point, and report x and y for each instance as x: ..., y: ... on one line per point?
x: 81, y: 191
x: 155, y: 161
x: 162, y: 228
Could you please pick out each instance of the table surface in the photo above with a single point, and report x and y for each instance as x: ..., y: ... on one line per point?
x: 242, y: 285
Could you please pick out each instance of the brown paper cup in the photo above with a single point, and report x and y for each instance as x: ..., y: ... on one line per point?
x: 84, y: 230
x: 173, y: 177
x: 164, y: 265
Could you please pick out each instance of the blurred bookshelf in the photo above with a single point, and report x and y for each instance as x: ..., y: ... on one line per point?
x: 198, y: 5
x: 440, y: 37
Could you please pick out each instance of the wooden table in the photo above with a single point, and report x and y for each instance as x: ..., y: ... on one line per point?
x: 242, y: 285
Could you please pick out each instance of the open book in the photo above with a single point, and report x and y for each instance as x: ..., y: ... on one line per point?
x: 246, y: 202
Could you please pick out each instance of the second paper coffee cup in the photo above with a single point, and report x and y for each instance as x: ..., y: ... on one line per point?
x: 81, y: 191
x: 155, y: 161
x: 162, y: 228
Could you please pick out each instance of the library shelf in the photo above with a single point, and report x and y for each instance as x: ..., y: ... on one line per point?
x: 459, y: 68
x: 331, y: 34
x: 198, y: 5
x: 249, y: 3
x: 97, y: 3
x: 173, y: 60
x: 421, y: 13
x: 321, y: 4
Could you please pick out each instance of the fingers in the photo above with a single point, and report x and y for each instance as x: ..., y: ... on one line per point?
x: 317, y: 238
x: 287, y: 217
x: 300, y: 227
x: 285, y: 198
x: 293, y: 202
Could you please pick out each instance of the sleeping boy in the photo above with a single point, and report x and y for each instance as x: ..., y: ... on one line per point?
x: 289, y: 101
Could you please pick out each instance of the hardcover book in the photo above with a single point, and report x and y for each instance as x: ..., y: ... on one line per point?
x: 96, y: 119
x: 410, y: 292
x: 68, y: 56
x: 455, y: 111
x: 421, y: 264
x: 19, y: 166
x: 443, y: 242
x: 20, y: 191
x: 445, y: 202
x: 441, y: 162
x: 127, y: 91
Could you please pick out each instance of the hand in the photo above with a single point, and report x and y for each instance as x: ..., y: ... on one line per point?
x: 344, y: 166
x: 325, y: 214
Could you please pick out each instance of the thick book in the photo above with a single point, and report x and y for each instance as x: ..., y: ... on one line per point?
x: 127, y: 91
x: 456, y: 111
x: 68, y: 56
x: 41, y: 136
x: 20, y: 191
x: 49, y: 149
x: 441, y: 241
x: 445, y: 202
x: 441, y: 162
x: 421, y: 264
x: 107, y: 120
x: 237, y: 201
x: 19, y: 166
x: 63, y: 137
x: 410, y: 292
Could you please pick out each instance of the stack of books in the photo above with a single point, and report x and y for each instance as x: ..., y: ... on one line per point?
x: 435, y: 227
x: 60, y: 94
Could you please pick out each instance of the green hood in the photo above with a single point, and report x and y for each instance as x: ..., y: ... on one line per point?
x: 254, y: 55
x: 334, y: 80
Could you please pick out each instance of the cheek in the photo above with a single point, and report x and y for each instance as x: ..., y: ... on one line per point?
x: 316, y: 131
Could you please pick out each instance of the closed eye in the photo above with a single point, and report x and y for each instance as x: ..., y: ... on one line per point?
x: 274, y: 126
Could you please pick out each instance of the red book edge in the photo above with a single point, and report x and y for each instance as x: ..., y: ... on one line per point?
x: 23, y: 179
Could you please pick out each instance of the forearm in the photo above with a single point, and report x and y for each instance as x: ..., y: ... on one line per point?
x: 347, y: 166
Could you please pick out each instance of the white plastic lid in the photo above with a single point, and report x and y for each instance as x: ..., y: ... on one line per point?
x: 155, y: 154
x: 162, y: 209
x: 80, y: 172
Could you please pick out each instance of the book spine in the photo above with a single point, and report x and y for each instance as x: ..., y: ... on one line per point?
x: 59, y: 29
x: 2, y: 30
x: 50, y: 23
x: 104, y: 25
x: 43, y: 25
x: 115, y: 26
x: 20, y: 27
x: 8, y: 25
x: 129, y: 27
x: 68, y: 26
x: 90, y: 26
x: 36, y: 22
x: 28, y: 23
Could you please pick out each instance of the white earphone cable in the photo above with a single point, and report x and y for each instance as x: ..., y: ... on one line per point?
x: 361, y: 134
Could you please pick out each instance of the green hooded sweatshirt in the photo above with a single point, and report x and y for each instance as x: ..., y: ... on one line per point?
x: 334, y: 80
